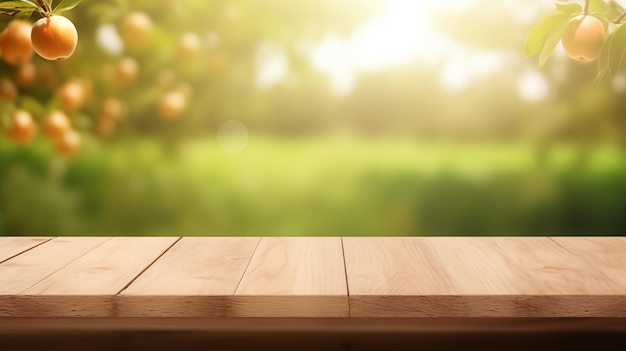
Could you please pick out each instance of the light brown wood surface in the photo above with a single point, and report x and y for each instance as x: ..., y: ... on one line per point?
x: 295, y: 277
x: 447, y: 277
x: 11, y: 246
x: 296, y: 266
x: 86, y: 286
x: 27, y: 269
x: 606, y: 255
x: 106, y: 270
x: 475, y: 277
x: 193, y: 279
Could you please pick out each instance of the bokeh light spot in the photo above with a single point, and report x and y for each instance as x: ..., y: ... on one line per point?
x: 109, y: 40
x: 532, y: 86
x: 232, y: 137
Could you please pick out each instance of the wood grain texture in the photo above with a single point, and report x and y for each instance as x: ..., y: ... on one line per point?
x: 549, y: 269
x: 295, y: 276
x: 54, y: 306
x: 11, y: 246
x: 605, y: 254
x: 105, y: 270
x: 87, y: 285
x: 394, y: 266
x: 474, y: 277
x: 193, y: 279
x: 420, y: 277
x: 197, y: 266
x: 23, y: 271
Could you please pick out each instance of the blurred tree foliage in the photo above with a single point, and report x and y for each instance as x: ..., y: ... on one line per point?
x: 402, y: 100
x: 151, y: 176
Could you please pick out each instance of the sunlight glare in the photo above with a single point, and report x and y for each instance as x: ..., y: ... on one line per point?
x: 332, y: 57
x: 272, y: 66
x: 464, y: 65
x: 402, y: 33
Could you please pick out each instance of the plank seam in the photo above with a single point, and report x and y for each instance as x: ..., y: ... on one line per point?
x: 148, y: 266
x: 563, y: 247
x: 56, y: 270
x: 30, y: 248
x: 345, y: 272
x: 584, y: 261
x: 247, y: 265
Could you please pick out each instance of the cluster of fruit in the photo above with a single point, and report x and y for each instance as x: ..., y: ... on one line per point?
x: 135, y: 30
x: 52, y: 37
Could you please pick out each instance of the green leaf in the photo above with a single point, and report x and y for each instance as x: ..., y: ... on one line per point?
x: 603, y: 60
x: 64, y: 5
x: 617, y: 49
x: 537, y: 39
x: 615, y: 8
x: 550, y: 43
x: 17, y: 8
x: 569, y: 7
x: 18, y: 5
x: 598, y: 6
x: 610, y: 9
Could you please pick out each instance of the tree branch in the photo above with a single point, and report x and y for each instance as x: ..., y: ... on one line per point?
x: 44, y: 7
x: 620, y: 18
x: 587, y: 4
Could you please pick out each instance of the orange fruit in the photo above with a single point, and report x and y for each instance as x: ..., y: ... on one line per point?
x: 55, y: 125
x: 583, y: 38
x: 172, y: 105
x: 135, y: 28
x: 73, y: 94
x: 111, y: 108
x: 15, y: 44
x: 26, y: 74
x: 22, y: 128
x: 8, y: 90
x: 54, y: 37
x: 69, y: 143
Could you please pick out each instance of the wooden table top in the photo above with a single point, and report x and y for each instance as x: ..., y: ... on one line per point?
x: 446, y: 277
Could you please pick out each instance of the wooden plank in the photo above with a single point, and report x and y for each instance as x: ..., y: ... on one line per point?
x: 474, y: 277
x: 477, y: 266
x: 393, y: 266
x: 86, y: 287
x: 23, y: 271
x: 392, y: 277
x: 525, y: 277
x: 605, y: 254
x: 549, y: 269
x: 294, y: 277
x: 15, y: 245
x: 191, y: 280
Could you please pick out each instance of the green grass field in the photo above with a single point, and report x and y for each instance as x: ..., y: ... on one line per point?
x: 312, y: 187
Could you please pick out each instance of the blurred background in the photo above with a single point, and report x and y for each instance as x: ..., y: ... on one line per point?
x: 326, y: 117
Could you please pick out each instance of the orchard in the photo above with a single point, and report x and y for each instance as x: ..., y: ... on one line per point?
x: 119, y: 68
x: 300, y: 117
